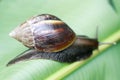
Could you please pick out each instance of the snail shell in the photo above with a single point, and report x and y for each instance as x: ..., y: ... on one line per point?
x: 45, y: 33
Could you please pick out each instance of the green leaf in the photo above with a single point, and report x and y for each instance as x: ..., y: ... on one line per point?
x: 82, y: 16
x: 112, y: 4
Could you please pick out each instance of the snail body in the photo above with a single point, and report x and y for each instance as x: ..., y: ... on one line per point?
x: 48, y: 37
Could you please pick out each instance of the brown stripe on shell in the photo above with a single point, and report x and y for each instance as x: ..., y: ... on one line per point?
x: 42, y: 17
x: 52, y: 35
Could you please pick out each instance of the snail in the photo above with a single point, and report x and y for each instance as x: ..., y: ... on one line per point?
x: 48, y: 37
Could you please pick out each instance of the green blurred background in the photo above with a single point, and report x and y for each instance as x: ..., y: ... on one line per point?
x: 83, y: 16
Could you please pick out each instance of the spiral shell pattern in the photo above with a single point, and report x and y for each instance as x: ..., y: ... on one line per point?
x: 45, y: 33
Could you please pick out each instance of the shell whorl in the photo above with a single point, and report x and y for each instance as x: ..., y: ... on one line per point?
x: 45, y: 33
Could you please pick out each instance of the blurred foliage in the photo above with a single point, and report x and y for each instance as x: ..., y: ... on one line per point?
x: 82, y: 16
